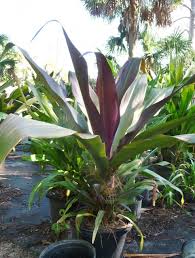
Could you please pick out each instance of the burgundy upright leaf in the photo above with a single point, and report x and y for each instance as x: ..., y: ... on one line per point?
x: 127, y: 75
x: 108, y: 100
x: 81, y: 71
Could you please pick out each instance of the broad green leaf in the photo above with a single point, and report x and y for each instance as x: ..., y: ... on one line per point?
x: 98, y: 222
x: 14, y: 128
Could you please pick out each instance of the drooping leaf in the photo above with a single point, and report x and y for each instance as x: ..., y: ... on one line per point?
x: 73, y: 119
x: 14, y: 128
x: 127, y: 75
x: 54, y: 87
x: 108, y: 100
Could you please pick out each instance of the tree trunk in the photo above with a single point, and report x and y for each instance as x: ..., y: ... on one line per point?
x: 192, y: 22
x: 131, y: 43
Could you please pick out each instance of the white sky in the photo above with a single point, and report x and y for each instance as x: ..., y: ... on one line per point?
x: 20, y: 19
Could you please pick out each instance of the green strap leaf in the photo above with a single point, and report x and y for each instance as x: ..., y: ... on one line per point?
x: 98, y: 222
x: 165, y: 127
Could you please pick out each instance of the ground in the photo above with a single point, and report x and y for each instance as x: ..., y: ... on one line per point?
x: 25, y: 233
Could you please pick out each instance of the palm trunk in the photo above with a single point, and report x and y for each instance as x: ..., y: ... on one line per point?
x: 192, y: 22
x: 130, y: 44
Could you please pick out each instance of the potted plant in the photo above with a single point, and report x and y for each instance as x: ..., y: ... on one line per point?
x: 59, y: 159
x: 113, y: 129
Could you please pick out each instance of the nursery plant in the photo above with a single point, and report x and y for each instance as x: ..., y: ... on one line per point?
x: 180, y: 105
x: 111, y: 126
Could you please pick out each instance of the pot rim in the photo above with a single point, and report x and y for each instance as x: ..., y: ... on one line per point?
x: 187, y: 242
x: 108, y: 230
x: 84, y: 243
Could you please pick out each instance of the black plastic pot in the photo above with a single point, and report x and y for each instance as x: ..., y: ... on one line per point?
x: 55, y: 205
x: 69, y: 249
x: 107, y: 244
x: 188, y: 249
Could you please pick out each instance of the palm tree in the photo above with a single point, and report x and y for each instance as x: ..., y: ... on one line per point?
x: 7, y: 58
x: 132, y: 13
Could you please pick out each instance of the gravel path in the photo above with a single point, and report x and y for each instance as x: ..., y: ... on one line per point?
x: 10, y: 250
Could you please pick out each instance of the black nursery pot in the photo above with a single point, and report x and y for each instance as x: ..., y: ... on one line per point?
x: 188, y: 249
x: 55, y: 204
x: 106, y: 243
x: 69, y: 249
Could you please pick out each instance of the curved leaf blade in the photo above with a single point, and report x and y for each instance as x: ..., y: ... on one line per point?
x: 81, y: 71
x: 134, y: 148
x: 73, y: 118
x: 14, y: 128
x: 127, y: 75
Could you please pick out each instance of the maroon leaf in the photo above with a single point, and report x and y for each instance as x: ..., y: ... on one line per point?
x: 127, y: 75
x: 108, y: 100
x: 81, y: 71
